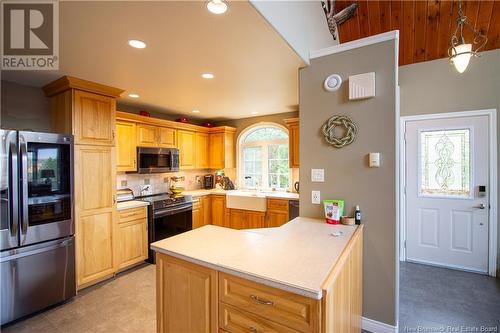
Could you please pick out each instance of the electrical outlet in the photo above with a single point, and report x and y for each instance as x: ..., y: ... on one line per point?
x: 123, y: 183
x: 147, y: 181
x: 316, y: 197
x: 318, y: 175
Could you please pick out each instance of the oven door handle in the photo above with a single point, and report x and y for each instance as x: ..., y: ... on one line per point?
x: 168, y: 211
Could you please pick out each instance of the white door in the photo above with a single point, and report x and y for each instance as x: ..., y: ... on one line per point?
x: 447, y: 192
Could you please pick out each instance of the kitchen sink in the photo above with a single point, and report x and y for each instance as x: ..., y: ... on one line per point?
x: 247, y: 200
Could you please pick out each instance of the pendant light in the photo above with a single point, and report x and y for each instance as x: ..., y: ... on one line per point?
x: 460, y: 50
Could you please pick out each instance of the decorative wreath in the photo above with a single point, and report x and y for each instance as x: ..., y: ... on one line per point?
x: 343, y: 121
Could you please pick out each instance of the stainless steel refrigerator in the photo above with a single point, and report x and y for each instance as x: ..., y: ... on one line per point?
x: 37, y: 254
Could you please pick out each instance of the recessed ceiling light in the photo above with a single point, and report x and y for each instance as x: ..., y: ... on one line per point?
x: 196, y: 111
x: 138, y: 44
x: 217, y: 6
x: 255, y: 112
x: 207, y: 75
x: 133, y: 95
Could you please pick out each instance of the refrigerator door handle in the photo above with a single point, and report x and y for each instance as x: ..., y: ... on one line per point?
x: 24, y: 185
x: 13, y: 189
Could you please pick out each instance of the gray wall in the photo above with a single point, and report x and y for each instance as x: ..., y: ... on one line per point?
x: 436, y: 87
x: 24, y: 108
x: 347, y: 175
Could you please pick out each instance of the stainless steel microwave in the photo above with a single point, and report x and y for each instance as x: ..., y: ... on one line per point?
x: 157, y: 160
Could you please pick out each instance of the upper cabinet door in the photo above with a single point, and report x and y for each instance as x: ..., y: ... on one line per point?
x: 147, y: 136
x: 186, y: 146
x: 126, y: 152
x: 94, y: 119
x: 217, y: 150
x: 201, y: 146
x: 167, y: 137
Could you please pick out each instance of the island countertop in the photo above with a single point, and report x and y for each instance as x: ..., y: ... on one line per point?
x: 297, y: 257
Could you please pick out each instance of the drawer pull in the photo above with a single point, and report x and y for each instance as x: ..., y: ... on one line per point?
x: 253, y: 329
x: 259, y: 300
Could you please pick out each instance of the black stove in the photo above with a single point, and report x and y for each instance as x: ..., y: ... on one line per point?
x: 169, y: 215
x: 166, y: 200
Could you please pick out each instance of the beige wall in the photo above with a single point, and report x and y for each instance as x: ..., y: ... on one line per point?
x: 347, y: 175
x: 24, y: 108
x: 436, y: 87
x: 243, y: 123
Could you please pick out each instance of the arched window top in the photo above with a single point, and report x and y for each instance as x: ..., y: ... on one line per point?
x: 267, y: 133
x: 263, y: 157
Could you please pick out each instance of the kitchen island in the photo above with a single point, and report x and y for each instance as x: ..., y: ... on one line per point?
x: 305, y: 276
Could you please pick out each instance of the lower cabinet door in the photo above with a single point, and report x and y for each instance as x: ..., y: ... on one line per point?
x: 186, y: 296
x: 234, y: 320
x: 218, y: 203
x: 94, y: 247
x: 255, y: 219
x: 276, y: 219
x: 237, y: 219
x: 132, y: 242
x: 198, y: 213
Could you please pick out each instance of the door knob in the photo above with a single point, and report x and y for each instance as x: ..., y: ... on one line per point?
x: 480, y: 206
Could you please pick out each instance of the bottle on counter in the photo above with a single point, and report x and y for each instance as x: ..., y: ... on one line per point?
x: 357, y: 215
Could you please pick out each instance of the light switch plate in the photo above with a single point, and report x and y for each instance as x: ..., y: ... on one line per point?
x: 318, y: 175
x: 316, y: 197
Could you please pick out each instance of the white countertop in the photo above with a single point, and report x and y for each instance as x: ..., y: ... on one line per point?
x: 131, y: 204
x: 277, y: 194
x: 295, y: 257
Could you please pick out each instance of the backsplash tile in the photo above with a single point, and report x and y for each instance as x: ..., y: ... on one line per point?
x: 160, y: 181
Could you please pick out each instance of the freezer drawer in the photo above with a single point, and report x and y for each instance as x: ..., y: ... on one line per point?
x: 35, y: 277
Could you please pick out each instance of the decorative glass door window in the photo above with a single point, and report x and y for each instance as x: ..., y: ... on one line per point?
x: 445, y: 163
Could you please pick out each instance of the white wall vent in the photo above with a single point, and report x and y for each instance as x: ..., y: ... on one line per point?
x: 362, y: 86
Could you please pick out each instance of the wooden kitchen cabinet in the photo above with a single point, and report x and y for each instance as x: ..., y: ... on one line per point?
x: 87, y: 110
x: 147, y: 136
x: 132, y: 237
x: 222, y: 148
x: 219, y: 210
x: 95, y: 257
x: 207, y: 209
x: 95, y: 213
x: 198, y: 213
x: 294, y: 141
x: 201, y: 150
x: 94, y: 119
x: 277, y: 212
x: 245, y: 219
x: 156, y: 136
x: 195, y: 298
x: 186, y: 296
x: 167, y: 137
x: 186, y: 145
x: 126, y: 147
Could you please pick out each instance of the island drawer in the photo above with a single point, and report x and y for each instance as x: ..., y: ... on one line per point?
x: 234, y: 320
x: 132, y: 214
x: 292, y: 310
x: 277, y: 204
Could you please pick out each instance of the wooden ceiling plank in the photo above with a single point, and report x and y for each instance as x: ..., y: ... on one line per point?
x: 494, y: 30
x: 420, y: 30
x: 374, y: 17
x: 471, y: 10
x: 385, y: 15
x: 446, y: 25
x: 396, y: 19
x: 408, y: 33
x: 363, y: 19
x: 484, y: 16
x: 431, y: 36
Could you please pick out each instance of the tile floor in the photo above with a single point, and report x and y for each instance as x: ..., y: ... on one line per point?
x: 432, y: 298
x: 123, y: 304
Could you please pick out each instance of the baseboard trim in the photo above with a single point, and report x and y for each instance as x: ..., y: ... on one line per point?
x: 374, y: 326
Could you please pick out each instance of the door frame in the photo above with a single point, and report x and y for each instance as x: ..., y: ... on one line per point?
x: 493, y: 179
